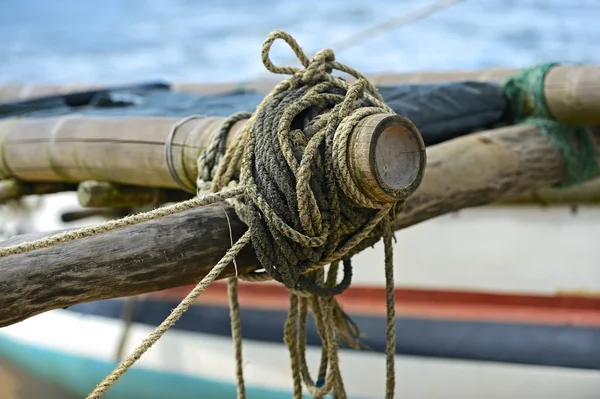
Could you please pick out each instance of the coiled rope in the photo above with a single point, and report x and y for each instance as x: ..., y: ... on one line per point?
x: 286, y: 175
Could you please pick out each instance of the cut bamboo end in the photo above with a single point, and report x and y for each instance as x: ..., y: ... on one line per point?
x: 386, y: 157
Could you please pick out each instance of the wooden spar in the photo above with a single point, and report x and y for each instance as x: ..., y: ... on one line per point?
x: 383, y: 79
x: 103, y: 194
x: 26, y: 91
x: 572, y: 92
x: 483, y: 168
x: 180, y: 249
x: 17, y: 92
x: 131, y: 151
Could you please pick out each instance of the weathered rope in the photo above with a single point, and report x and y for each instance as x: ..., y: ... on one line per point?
x: 285, y: 159
x: 170, y: 320
x: 574, y: 142
x: 286, y: 174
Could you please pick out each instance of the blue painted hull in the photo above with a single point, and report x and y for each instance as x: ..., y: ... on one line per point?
x: 80, y: 375
x: 558, y: 345
x: 507, y: 342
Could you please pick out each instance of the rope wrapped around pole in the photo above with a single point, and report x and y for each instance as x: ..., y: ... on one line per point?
x: 289, y: 178
x: 302, y: 206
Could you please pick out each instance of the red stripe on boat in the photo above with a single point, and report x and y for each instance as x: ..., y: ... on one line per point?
x: 427, y: 303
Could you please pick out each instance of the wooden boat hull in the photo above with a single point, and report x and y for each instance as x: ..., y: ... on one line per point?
x: 75, y: 350
x: 464, y: 343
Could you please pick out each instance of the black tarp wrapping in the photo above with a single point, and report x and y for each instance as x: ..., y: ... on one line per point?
x: 441, y: 111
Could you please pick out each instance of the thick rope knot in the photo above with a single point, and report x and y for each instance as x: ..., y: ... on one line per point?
x: 302, y: 207
x: 320, y: 66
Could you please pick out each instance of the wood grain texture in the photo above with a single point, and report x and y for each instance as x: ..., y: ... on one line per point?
x: 485, y: 168
x: 180, y: 249
x: 173, y: 251
x: 386, y: 157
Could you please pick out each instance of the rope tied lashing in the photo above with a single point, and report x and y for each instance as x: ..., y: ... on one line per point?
x: 302, y: 206
x: 303, y: 209
x: 574, y: 142
x: 286, y: 174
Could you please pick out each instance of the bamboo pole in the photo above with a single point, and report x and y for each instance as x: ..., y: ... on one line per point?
x: 130, y: 151
x: 16, y: 91
x: 572, y: 92
x: 133, y: 151
x: 180, y: 249
x: 124, y: 150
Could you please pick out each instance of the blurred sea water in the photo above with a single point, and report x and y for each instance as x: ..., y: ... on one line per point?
x: 114, y: 41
